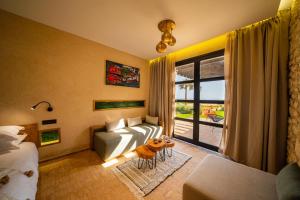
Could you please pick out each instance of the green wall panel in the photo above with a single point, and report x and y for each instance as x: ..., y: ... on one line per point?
x: 106, y: 105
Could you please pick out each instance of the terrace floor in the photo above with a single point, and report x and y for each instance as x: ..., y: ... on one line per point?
x: 207, y: 134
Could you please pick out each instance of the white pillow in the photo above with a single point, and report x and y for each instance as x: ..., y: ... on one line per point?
x: 11, y: 138
x: 115, y: 125
x: 6, y: 144
x: 152, y: 120
x: 19, y: 139
x: 11, y: 129
x: 134, y: 121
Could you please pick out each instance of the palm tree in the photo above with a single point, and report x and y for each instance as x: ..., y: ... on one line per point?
x: 186, y: 87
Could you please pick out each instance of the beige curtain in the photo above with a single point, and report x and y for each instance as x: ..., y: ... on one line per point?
x: 256, y: 104
x: 162, y: 91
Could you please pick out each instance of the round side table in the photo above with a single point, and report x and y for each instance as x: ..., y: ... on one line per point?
x: 169, y: 146
x: 157, y: 147
x: 144, y: 153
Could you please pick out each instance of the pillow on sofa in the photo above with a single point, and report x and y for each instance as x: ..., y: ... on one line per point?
x: 115, y: 125
x: 152, y: 120
x: 134, y: 121
x: 288, y: 182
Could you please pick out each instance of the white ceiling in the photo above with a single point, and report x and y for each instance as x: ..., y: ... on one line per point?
x: 131, y: 25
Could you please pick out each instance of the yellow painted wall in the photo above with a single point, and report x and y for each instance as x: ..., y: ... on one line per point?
x: 41, y: 63
x: 205, y: 47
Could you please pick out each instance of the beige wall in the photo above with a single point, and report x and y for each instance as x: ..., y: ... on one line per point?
x: 41, y: 63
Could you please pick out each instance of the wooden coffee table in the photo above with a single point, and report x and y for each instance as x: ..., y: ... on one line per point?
x: 157, y: 147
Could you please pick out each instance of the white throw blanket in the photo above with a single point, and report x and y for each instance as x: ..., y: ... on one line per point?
x: 15, y: 163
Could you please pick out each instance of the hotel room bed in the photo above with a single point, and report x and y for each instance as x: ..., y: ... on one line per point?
x: 16, y: 161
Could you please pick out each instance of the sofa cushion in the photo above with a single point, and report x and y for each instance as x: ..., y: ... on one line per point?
x: 108, y: 136
x: 152, y: 120
x: 288, y: 182
x: 221, y: 179
x: 134, y: 121
x: 146, y: 131
x: 115, y: 125
x: 112, y: 144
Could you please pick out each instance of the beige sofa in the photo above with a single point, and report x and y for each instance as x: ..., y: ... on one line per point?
x: 221, y: 179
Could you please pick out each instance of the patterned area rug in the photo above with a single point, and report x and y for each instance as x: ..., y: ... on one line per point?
x: 142, y: 181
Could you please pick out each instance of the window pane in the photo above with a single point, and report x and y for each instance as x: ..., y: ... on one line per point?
x: 211, y: 68
x: 210, y: 134
x: 211, y: 113
x: 183, y: 128
x: 212, y: 90
x: 185, y: 91
x: 184, y: 110
x: 185, y: 72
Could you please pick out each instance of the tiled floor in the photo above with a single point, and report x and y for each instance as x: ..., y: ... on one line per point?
x: 207, y: 134
x: 82, y: 176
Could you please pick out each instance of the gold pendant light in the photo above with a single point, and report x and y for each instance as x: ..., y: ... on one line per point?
x: 166, y: 27
x: 161, y: 47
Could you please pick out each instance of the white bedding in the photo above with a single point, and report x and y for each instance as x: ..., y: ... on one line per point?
x: 20, y: 187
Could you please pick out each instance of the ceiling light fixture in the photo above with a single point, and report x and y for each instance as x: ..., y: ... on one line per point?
x: 166, y: 27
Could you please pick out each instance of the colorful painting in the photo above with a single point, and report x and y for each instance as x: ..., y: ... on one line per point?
x: 107, y: 105
x: 49, y: 136
x: 122, y: 75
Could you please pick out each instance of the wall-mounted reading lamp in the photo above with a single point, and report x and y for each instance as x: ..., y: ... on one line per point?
x: 49, y: 109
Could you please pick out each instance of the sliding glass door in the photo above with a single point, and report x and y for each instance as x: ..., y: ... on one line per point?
x: 184, y: 101
x: 200, y: 93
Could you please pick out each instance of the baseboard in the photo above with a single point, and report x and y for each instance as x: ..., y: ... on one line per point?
x: 66, y: 152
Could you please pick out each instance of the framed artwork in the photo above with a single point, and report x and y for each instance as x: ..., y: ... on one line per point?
x: 49, y: 136
x: 122, y: 75
x: 108, y: 105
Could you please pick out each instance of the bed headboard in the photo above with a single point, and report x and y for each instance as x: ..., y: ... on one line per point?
x: 32, y: 131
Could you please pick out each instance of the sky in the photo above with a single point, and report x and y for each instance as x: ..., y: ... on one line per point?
x: 212, y: 90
